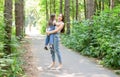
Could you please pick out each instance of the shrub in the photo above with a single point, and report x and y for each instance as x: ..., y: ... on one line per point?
x: 98, y: 38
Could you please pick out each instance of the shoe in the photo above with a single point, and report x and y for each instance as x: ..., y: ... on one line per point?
x: 51, y: 66
x: 59, y: 67
x: 45, y: 48
x: 51, y: 48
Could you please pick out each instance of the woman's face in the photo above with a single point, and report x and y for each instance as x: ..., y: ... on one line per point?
x: 60, y: 17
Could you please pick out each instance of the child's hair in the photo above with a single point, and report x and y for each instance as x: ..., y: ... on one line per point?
x: 52, y: 17
x: 63, y: 30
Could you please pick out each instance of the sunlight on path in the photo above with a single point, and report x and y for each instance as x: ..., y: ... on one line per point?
x: 34, y: 31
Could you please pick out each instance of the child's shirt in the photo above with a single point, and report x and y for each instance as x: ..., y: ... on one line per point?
x: 50, y: 28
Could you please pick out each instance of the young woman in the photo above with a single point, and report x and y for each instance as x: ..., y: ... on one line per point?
x: 58, y: 28
x: 50, y: 27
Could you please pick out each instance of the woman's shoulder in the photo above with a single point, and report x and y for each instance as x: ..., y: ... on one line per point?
x: 62, y: 23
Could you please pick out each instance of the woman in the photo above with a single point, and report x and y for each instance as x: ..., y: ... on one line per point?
x: 58, y: 28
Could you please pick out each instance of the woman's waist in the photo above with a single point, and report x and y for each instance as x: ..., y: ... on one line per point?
x: 57, y: 34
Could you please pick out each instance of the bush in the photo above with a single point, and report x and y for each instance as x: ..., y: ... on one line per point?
x: 10, y: 65
x: 98, y: 38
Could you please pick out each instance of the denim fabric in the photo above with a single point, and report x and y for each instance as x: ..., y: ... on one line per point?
x: 56, y: 49
x: 49, y: 39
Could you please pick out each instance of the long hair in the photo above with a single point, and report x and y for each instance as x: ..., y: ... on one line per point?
x: 63, y: 29
x: 52, y: 16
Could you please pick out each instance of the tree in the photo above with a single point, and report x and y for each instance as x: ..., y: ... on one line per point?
x: 100, y: 5
x: 47, y: 15
x: 54, y: 2
x: 67, y: 15
x: 103, y: 4
x: 85, y: 9
x: 73, y: 9
x: 112, y: 4
x: 19, y: 18
x: 61, y: 4
x: 76, y: 9
x: 8, y: 24
x: 90, y: 8
x: 50, y: 7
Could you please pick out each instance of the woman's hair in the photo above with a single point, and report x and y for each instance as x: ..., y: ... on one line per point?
x: 52, y: 16
x: 63, y: 29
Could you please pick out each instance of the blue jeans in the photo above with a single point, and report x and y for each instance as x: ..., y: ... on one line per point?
x: 56, y: 49
x: 49, y: 39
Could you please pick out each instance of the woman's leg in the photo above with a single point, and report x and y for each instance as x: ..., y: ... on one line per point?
x: 51, y: 41
x: 53, y: 58
x: 56, y: 48
x: 53, y: 55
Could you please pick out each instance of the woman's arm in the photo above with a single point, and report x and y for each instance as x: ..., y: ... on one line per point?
x: 56, y: 30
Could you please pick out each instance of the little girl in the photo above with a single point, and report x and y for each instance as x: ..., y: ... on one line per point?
x: 50, y: 27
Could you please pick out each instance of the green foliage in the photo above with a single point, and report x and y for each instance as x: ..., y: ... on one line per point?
x: 43, y: 27
x: 99, y: 38
x: 10, y: 65
x: 2, y: 33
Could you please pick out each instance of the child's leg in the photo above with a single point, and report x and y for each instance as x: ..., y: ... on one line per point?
x: 46, y: 40
x: 51, y: 39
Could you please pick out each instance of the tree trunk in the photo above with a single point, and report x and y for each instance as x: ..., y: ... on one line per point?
x: 61, y: 4
x: 54, y: 2
x: 85, y: 9
x: 100, y: 5
x: 8, y: 25
x: 96, y: 6
x: 50, y: 7
x: 47, y: 15
x: 73, y: 10
x: 67, y: 15
x: 111, y: 4
x: 90, y: 8
x: 103, y: 5
x: 19, y: 18
x: 76, y: 9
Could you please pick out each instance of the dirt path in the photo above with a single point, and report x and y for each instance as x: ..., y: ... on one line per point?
x: 74, y: 65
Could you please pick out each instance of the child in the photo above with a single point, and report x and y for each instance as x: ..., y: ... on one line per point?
x: 50, y: 27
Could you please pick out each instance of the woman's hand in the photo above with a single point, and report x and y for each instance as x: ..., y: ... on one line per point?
x: 48, y: 33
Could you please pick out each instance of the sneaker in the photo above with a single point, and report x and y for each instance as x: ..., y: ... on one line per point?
x: 59, y: 67
x: 51, y: 66
x: 51, y: 48
x: 45, y: 48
